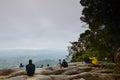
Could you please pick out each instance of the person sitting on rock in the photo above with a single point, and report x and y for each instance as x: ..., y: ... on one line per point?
x: 87, y: 59
x: 30, y: 68
x: 64, y: 63
x: 21, y: 65
x: 94, y: 60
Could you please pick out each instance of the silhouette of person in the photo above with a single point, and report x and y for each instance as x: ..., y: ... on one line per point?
x: 64, y: 63
x: 87, y: 59
x: 21, y: 65
x: 30, y: 68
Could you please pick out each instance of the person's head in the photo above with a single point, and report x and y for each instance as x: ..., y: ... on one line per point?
x: 59, y: 59
x: 47, y: 64
x: 30, y: 61
x: 64, y: 60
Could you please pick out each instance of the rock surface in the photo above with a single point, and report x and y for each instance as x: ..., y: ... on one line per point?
x: 75, y: 71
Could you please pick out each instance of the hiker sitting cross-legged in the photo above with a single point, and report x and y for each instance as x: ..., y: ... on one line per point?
x: 64, y: 63
x: 30, y: 68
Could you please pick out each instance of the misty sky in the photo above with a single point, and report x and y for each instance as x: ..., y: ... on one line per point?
x: 39, y: 24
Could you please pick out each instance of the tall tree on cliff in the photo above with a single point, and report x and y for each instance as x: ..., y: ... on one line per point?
x: 103, y: 36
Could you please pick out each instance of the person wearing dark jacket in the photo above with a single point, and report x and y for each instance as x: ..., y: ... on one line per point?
x: 30, y: 68
x: 87, y: 59
x: 64, y: 63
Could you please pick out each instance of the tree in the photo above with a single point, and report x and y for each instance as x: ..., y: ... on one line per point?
x: 103, y: 19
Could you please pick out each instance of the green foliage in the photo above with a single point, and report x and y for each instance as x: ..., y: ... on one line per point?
x: 102, y: 39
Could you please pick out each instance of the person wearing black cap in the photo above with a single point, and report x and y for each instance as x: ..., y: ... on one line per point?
x: 30, y: 68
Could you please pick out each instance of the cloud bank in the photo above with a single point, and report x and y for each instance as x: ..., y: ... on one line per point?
x: 39, y: 24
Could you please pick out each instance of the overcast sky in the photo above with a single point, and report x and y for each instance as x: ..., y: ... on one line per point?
x: 39, y: 24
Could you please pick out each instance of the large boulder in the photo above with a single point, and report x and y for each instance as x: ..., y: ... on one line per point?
x: 75, y: 71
